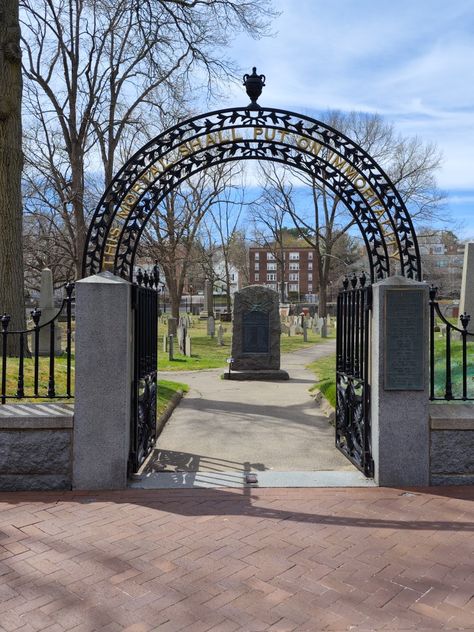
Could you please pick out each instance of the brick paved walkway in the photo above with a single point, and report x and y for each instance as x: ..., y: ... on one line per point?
x: 293, y: 559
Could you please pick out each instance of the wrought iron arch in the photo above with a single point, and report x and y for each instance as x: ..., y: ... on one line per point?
x: 252, y: 133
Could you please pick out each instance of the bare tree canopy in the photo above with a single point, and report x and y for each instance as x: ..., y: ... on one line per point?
x: 172, y: 230
x: 99, y: 71
x: 293, y: 196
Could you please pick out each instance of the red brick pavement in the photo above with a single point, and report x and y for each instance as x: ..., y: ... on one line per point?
x: 220, y: 560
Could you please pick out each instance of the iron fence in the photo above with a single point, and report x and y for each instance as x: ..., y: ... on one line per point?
x: 451, y: 356
x: 41, y: 368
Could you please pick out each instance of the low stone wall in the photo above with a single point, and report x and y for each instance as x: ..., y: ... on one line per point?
x: 36, y: 447
x: 452, y: 444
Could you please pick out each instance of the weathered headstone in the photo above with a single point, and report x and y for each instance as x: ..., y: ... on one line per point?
x: 324, y: 329
x: 172, y: 327
x: 220, y: 335
x: 284, y: 328
x: 467, y: 287
x: 305, y: 331
x: 165, y: 343
x: 256, y: 335
x: 188, y: 346
x: 171, y: 347
x: 181, y: 335
x: 211, y: 326
x: 292, y: 330
x: 48, y: 312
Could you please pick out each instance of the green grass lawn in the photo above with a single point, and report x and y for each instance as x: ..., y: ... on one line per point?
x: 208, y: 354
x: 325, y: 371
x: 456, y: 366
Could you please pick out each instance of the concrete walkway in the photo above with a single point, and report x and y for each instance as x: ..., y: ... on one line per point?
x: 234, y: 427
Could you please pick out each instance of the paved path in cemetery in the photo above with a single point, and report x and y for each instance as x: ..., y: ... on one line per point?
x: 237, y: 560
x: 233, y: 426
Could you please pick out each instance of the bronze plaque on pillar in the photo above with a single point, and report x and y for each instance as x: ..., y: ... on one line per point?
x: 405, y: 340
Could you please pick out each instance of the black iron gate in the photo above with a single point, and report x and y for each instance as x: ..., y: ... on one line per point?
x: 144, y: 391
x: 353, y: 432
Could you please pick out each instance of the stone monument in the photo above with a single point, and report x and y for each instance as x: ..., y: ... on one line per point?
x: 48, y: 312
x: 467, y: 287
x: 256, y: 336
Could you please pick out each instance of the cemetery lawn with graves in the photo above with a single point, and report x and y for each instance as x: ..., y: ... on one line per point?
x: 207, y: 353
x: 325, y: 370
x: 166, y: 388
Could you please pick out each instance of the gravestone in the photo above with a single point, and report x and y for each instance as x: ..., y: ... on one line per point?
x: 305, y: 331
x: 172, y: 327
x: 324, y: 329
x: 48, y: 312
x: 165, y: 343
x: 181, y: 335
x: 211, y: 326
x: 256, y: 336
x: 292, y: 330
x: 284, y: 328
x: 220, y: 335
x: 171, y: 347
x: 467, y: 287
x: 188, y: 346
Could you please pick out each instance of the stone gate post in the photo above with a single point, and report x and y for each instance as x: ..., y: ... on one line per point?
x: 399, y: 385
x: 103, y: 382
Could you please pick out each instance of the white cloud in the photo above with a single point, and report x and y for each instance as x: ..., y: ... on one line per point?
x: 410, y: 61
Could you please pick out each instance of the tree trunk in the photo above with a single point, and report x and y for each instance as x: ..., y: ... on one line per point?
x: 11, y: 163
x: 77, y: 186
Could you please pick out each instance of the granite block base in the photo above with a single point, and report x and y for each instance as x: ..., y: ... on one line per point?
x: 265, y: 375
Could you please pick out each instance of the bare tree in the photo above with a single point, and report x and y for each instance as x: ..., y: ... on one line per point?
x: 100, y: 67
x: 11, y: 162
x: 219, y: 234
x: 171, y: 234
x: 270, y: 214
x: 321, y: 215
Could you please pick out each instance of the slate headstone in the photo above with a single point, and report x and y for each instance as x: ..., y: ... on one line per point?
x: 211, y: 326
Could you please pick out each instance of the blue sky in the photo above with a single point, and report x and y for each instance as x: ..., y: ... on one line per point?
x: 410, y: 60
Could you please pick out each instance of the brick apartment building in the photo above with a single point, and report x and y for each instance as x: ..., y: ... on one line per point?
x: 299, y: 272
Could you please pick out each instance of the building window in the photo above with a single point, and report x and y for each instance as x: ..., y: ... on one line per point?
x: 310, y: 277
x: 310, y: 256
x: 271, y: 277
x: 310, y: 265
x: 271, y: 266
x: 257, y: 276
x: 272, y: 286
x: 294, y: 266
x: 293, y: 287
x: 310, y: 287
x: 294, y: 277
x: 257, y: 255
x: 257, y: 265
x: 294, y: 256
x: 270, y: 256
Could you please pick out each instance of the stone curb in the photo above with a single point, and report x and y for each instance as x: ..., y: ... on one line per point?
x: 160, y: 424
x: 324, y: 405
x: 174, y: 401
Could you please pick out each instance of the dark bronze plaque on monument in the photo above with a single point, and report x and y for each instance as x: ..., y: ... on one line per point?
x: 256, y: 332
x: 404, y: 340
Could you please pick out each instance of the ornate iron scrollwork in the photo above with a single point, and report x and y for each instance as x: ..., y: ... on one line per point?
x: 245, y: 134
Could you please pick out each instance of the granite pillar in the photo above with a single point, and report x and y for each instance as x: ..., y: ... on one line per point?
x: 104, y: 353
x: 399, y: 383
